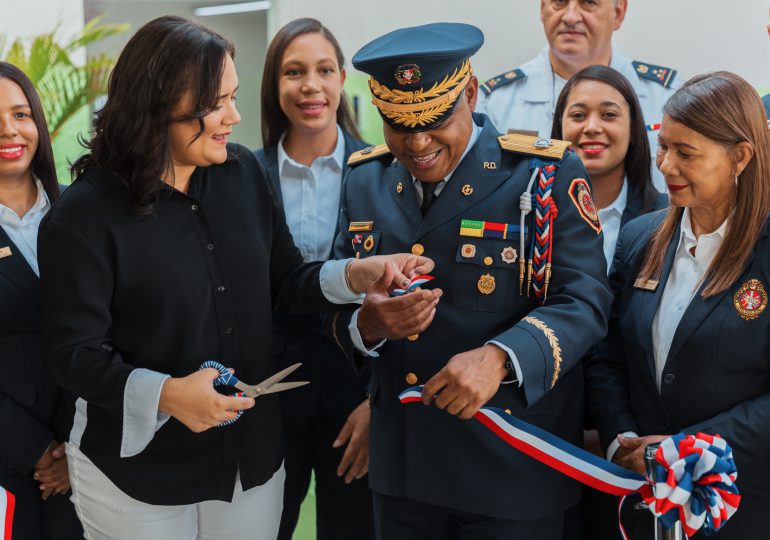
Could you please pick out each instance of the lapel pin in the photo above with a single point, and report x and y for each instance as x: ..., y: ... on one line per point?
x: 751, y: 299
x: 399, y: 188
x: 467, y: 189
x: 648, y: 285
x: 490, y: 165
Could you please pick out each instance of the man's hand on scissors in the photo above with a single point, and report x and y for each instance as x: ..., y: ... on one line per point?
x: 193, y: 401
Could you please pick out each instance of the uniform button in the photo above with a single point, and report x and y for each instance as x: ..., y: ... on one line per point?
x: 221, y: 288
x: 668, y: 378
x: 194, y: 207
x: 507, y: 411
x: 411, y: 378
x: 418, y: 249
x: 413, y: 337
x: 228, y: 329
x: 210, y: 247
x: 488, y: 261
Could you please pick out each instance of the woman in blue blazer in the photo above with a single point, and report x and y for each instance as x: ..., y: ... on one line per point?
x: 309, y: 133
x: 688, y: 348
x: 33, y: 422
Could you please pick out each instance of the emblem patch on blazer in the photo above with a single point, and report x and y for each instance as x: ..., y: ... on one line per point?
x: 5, y: 251
x: 751, y: 299
x: 580, y: 194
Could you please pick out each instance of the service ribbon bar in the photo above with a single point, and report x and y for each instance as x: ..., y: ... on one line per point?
x: 694, y: 480
x: 487, y: 229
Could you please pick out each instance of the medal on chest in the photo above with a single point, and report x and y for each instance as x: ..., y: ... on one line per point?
x: 751, y: 299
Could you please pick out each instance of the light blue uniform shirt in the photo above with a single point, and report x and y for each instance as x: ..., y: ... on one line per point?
x: 23, y: 230
x: 529, y: 103
x: 311, y: 199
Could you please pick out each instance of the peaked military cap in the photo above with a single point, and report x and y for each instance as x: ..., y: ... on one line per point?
x: 417, y: 74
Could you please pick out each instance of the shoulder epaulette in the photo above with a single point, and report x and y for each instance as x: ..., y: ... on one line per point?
x: 501, y: 80
x: 368, y: 153
x: 533, y: 146
x: 664, y: 76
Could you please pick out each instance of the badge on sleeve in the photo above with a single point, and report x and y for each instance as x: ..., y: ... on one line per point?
x: 580, y: 194
x: 751, y: 299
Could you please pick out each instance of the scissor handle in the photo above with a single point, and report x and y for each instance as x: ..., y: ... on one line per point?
x: 226, y: 377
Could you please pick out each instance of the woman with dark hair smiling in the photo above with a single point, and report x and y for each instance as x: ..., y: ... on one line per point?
x: 33, y: 424
x: 309, y: 133
x: 167, y: 251
x: 688, y: 348
x: 598, y: 111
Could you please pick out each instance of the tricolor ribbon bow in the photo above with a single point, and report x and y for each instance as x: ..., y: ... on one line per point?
x: 415, y: 282
x: 693, y: 482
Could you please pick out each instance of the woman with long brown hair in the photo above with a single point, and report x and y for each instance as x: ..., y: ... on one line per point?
x: 688, y: 348
x: 309, y: 132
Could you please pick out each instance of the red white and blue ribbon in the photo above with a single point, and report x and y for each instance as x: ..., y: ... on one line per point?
x: 7, y: 504
x: 415, y: 282
x: 694, y: 481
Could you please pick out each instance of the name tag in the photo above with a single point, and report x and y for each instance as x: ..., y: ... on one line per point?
x: 5, y: 252
x: 357, y: 226
x: 646, y: 285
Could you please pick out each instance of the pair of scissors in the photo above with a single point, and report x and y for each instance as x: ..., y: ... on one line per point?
x: 268, y: 386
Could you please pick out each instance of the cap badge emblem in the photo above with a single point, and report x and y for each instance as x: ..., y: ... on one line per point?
x: 408, y: 74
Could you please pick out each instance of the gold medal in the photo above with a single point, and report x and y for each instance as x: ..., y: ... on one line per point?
x: 751, y: 299
x: 486, y: 284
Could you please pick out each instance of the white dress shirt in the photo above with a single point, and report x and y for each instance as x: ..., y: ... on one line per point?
x: 683, y: 283
x: 610, y: 218
x: 23, y: 230
x: 311, y: 199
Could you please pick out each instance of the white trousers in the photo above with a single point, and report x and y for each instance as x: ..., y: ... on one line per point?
x: 109, y: 514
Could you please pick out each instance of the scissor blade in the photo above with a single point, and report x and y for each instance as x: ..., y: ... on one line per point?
x: 270, y: 381
x: 246, y: 389
x: 280, y: 387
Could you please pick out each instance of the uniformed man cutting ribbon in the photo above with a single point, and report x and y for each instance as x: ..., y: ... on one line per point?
x: 511, y: 225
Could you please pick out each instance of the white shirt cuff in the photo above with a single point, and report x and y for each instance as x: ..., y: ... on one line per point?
x: 515, y: 361
x: 614, y: 445
x: 358, y: 342
x: 334, y: 286
x: 141, y: 417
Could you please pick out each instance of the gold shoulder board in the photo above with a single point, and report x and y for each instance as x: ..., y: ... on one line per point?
x: 368, y: 153
x: 533, y: 146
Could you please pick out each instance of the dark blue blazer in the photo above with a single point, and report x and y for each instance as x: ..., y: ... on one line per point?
x: 716, y: 379
x: 299, y: 338
x: 34, y: 411
x: 423, y: 453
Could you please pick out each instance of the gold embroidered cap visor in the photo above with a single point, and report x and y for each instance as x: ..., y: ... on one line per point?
x: 418, y: 74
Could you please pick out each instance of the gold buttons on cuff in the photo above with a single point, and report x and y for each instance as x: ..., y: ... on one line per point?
x: 418, y: 249
x: 413, y: 337
x: 411, y: 378
x: 488, y: 261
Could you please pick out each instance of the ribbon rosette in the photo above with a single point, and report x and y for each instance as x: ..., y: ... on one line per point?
x: 415, y: 282
x: 694, y: 482
x: 694, y: 479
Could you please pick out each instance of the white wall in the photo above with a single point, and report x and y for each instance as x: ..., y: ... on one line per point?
x: 691, y: 36
x: 32, y: 17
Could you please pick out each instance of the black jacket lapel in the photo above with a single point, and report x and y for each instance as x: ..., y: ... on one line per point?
x: 17, y: 270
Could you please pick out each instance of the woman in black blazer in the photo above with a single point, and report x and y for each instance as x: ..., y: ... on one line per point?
x: 309, y: 132
x: 33, y: 466
x: 598, y: 111
x: 688, y: 348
